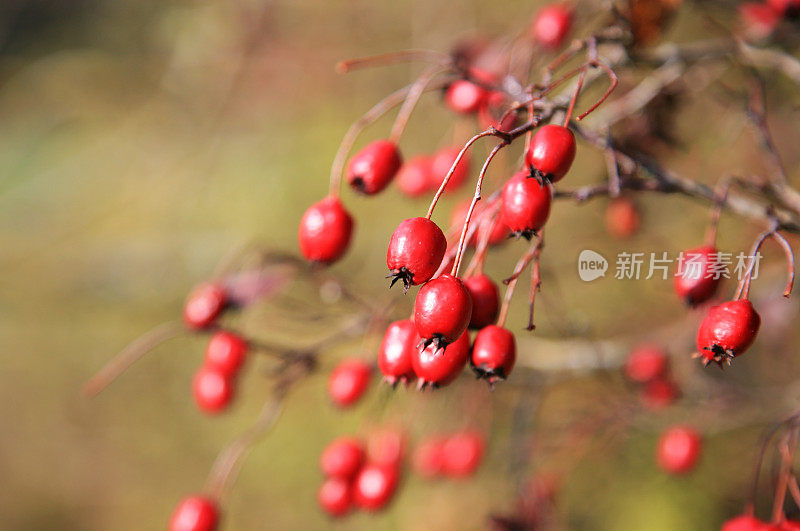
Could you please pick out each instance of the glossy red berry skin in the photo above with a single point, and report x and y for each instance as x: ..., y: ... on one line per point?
x: 373, y: 168
x: 679, y: 450
x: 348, y: 382
x: 397, y: 348
x: 375, y: 486
x: 464, y: 97
x: 744, y: 523
x: 415, y: 177
x: 494, y: 353
x: 524, y: 205
x: 415, y: 251
x: 428, y: 458
x: 645, y: 363
x: 758, y: 20
x: 463, y: 453
x: 485, y: 300
x: 727, y: 331
x: 622, y: 218
x: 225, y: 353
x: 438, y: 368
x: 551, y: 25
x: 342, y: 458
x: 551, y: 152
x: 325, y: 231
x: 441, y: 163
x: 694, y: 280
x: 204, y: 305
x: 442, y: 310
x: 335, y: 496
x: 212, y: 390
x: 195, y: 513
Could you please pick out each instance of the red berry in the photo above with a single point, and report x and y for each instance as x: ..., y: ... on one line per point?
x: 679, y: 450
x: 439, y: 368
x: 440, y: 165
x: 789, y: 8
x: 494, y: 352
x: 195, y: 513
x: 212, y: 390
x: 373, y: 168
x: 415, y: 251
x: 415, y: 177
x: 397, y: 348
x: 789, y: 525
x: 659, y: 394
x: 645, y: 363
x: 204, y: 305
x: 727, y: 331
x: 428, y: 459
x: 335, y: 496
x: 758, y: 20
x: 342, y: 458
x: 225, y: 353
x: 463, y: 453
x: 694, y: 279
x: 485, y: 300
x: 525, y: 205
x: 348, y: 381
x: 499, y: 232
x: 551, y: 25
x: 464, y: 96
x: 374, y: 486
x: 325, y: 231
x: 442, y: 311
x: 622, y: 218
x: 744, y: 523
x: 551, y: 152
x: 385, y: 447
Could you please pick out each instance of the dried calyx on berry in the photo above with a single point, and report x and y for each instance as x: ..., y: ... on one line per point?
x: 442, y: 311
x: 727, y: 331
x: 373, y: 168
x: 525, y: 205
x: 494, y: 353
x: 551, y: 153
x: 415, y: 251
x: 396, y: 351
x: 437, y: 367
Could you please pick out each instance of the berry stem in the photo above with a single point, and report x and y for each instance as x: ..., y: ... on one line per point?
x: 391, y: 58
x: 414, y: 93
x: 536, y: 282
x: 511, y: 282
x: 130, y: 355
x: 574, y: 99
x: 485, y: 228
x: 720, y: 198
x: 477, y: 197
x: 787, y: 450
x: 743, y: 289
x: 614, y: 82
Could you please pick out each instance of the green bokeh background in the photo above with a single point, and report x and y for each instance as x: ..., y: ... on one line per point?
x: 142, y: 141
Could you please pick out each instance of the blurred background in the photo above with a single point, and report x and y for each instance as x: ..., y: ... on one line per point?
x: 142, y: 141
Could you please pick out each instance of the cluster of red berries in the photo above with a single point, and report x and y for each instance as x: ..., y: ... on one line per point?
x: 424, y: 173
x: 759, y: 20
x: 213, y: 385
x: 748, y: 522
x: 648, y: 366
x: 456, y: 455
x: 359, y: 476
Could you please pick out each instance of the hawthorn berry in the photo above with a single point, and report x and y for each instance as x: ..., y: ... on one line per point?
x: 695, y: 280
x: 374, y: 486
x: 325, y: 231
x: 373, y: 168
x: 524, y: 205
x: 212, y: 390
x: 499, y: 233
x: 485, y: 300
x: 758, y: 20
x: 415, y: 176
x: 464, y: 97
x: 787, y: 8
x: 225, y: 353
x: 679, y: 450
x: 622, y: 218
x: 462, y: 453
x: 659, y: 394
x: 645, y: 363
x: 348, y: 382
x: 551, y: 25
x: 335, y: 496
x: 342, y: 458
x: 415, y: 251
x: 551, y: 152
x: 441, y: 163
x: 397, y: 348
x: 195, y: 513
x: 442, y: 311
x: 494, y: 352
x: 385, y: 447
x: 727, y: 331
x: 204, y: 305
x: 744, y: 523
x: 428, y: 458
x: 438, y: 368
